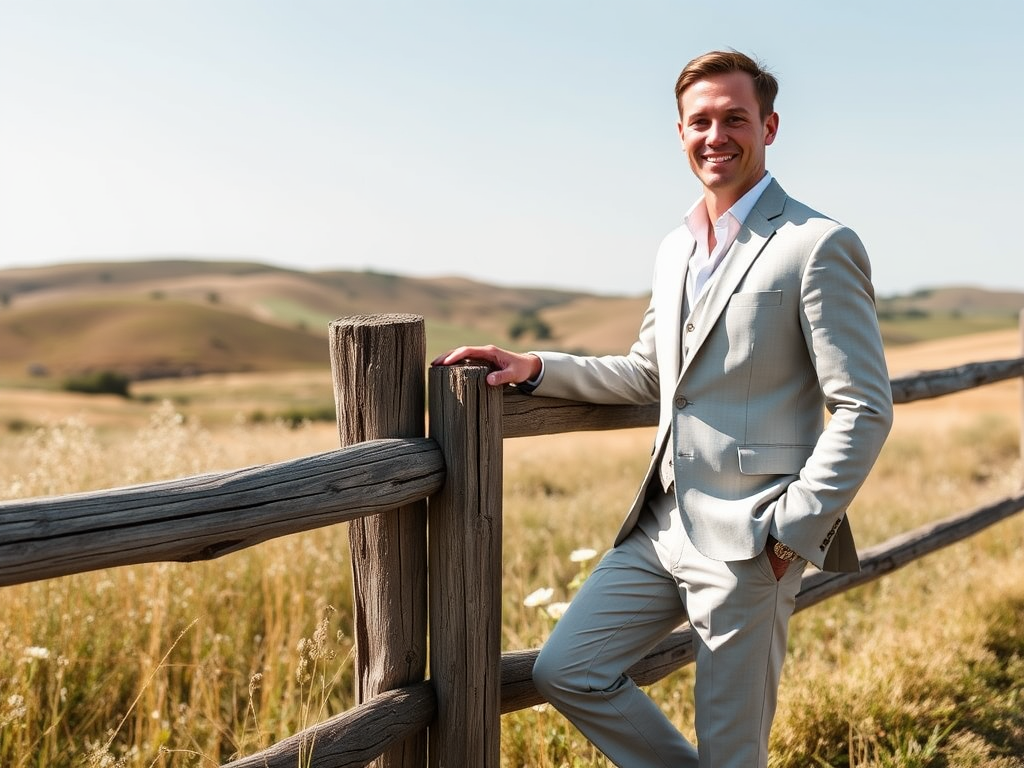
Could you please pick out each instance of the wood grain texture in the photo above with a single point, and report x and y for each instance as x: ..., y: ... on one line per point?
x: 354, y: 738
x: 526, y: 415
x: 204, y: 517
x: 946, y: 381
x: 465, y: 569
x: 379, y: 391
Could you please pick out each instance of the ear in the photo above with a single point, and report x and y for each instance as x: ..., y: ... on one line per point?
x: 771, y: 128
x: 679, y: 127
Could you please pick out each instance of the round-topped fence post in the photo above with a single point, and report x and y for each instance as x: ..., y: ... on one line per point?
x: 377, y: 362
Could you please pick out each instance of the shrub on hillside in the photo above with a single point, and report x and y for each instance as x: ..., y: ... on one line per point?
x: 528, y: 322
x: 99, y: 383
x: 297, y: 416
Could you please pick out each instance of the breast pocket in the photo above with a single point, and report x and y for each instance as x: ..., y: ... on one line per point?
x: 749, y: 316
x: 756, y: 299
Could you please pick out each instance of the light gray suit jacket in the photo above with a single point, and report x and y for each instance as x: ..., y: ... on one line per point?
x: 785, y: 331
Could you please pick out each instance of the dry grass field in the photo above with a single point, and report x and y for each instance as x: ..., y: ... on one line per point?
x: 191, y: 664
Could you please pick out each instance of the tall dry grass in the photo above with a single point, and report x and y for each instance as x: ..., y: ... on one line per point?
x: 168, y: 664
x: 189, y: 665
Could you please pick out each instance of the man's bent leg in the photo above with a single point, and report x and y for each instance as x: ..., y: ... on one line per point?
x: 623, y: 610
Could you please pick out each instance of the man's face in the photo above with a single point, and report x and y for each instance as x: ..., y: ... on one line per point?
x: 723, y: 134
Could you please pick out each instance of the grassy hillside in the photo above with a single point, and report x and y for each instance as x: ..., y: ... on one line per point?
x: 177, y: 317
x: 943, y: 312
x: 957, y: 300
x: 154, y: 318
x: 282, y: 295
x: 146, y: 338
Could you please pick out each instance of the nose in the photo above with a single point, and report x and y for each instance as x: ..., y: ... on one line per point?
x: 716, y: 134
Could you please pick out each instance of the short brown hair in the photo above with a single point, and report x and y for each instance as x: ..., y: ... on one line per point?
x: 766, y: 87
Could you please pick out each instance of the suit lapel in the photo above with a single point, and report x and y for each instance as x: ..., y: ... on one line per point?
x: 756, y: 231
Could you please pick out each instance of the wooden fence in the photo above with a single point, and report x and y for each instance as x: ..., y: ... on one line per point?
x: 379, y: 482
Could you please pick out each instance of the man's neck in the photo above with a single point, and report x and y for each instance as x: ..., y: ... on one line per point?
x: 717, y: 202
x: 716, y: 205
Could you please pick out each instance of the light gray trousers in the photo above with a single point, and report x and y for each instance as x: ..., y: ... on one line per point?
x: 639, y: 592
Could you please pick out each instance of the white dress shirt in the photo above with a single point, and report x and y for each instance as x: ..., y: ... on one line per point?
x: 703, y: 264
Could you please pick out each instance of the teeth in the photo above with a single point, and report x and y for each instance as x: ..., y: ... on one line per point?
x: 718, y: 158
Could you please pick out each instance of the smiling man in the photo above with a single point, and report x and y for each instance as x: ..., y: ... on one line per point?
x: 761, y: 318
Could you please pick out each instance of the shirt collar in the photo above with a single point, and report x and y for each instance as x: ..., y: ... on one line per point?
x: 697, y: 217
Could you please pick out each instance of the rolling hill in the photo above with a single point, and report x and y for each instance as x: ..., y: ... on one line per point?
x: 145, y: 338
x: 178, y: 317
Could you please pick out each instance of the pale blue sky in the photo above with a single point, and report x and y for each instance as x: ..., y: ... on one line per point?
x: 529, y: 142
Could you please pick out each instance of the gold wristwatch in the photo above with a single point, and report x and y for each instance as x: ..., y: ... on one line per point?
x: 784, y: 553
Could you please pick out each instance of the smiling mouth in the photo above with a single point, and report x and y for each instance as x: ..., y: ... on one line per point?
x: 715, y: 159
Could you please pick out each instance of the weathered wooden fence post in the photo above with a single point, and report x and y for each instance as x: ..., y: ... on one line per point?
x: 465, y: 569
x: 377, y: 364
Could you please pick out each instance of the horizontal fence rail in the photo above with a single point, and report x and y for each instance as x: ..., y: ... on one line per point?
x: 529, y: 415
x: 204, y: 517
x: 353, y: 738
x: 947, y: 381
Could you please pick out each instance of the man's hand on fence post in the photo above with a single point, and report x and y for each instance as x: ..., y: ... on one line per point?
x: 509, y: 367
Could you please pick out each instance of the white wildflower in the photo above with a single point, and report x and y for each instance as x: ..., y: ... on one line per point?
x: 555, y: 610
x: 539, y: 597
x: 582, y: 555
x: 35, y: 652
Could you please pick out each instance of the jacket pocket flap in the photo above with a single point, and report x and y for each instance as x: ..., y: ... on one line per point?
x: 756, y: 299
x: 774, y: 459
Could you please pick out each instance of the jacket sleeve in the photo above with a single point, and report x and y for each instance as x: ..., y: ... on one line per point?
x: 840, y: 327
x: 609, y: 379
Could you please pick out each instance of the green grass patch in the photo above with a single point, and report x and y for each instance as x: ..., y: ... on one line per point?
x: 910, y: 328
x: 297, y: 315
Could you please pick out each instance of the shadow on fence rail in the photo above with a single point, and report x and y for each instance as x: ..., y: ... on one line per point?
x: 379, y: 482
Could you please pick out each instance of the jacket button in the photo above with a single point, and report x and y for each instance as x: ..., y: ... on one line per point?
x: 690, y: 327
x: 681, y: 402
